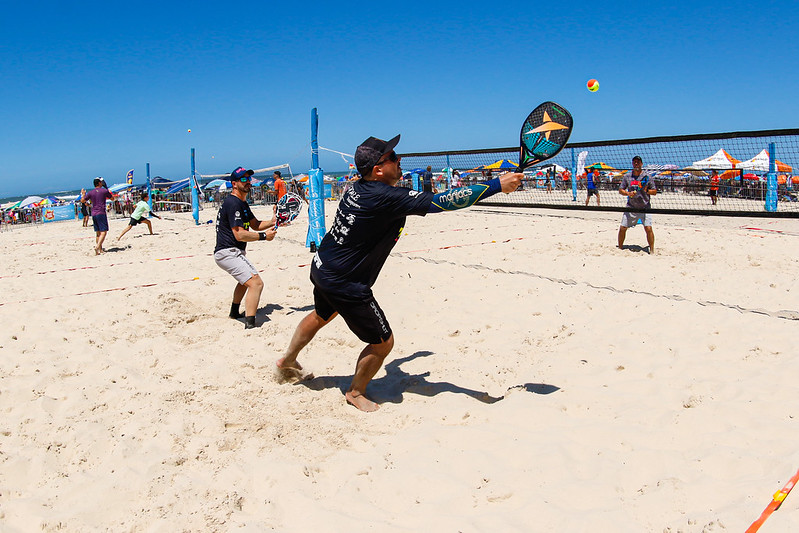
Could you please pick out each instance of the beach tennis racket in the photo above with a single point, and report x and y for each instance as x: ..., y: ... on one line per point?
x: 288, y: 207
x: 543, y: 134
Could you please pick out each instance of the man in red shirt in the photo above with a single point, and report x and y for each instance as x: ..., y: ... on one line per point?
x: 714, y: 187
x: 280, y: 185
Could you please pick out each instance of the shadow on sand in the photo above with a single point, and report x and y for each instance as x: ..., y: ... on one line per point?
x: 391, y: 387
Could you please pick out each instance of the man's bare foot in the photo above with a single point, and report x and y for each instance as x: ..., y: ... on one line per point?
x: 361, y: 402
x: 291, y: 373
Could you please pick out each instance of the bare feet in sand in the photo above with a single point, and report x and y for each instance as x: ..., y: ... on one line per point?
x: 292, y: 372
x: 361, y: 402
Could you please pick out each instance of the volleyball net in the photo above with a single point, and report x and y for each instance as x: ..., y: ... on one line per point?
x: 728, y: 174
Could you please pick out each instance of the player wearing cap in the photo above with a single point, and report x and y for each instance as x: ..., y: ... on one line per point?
x: 368, y: 223
x: 233, y: 224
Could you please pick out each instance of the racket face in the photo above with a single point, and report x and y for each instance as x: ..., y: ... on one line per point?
x: 544, y: 134
x: 288, y: 207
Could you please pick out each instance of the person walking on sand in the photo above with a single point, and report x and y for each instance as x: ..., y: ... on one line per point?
x: 98, y: 196
x: 370, y: 218
x: 638, y: 187
x: 233, y: 224
x: 138, y: 216
x: 591, y: 177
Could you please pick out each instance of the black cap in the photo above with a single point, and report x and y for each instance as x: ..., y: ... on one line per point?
x: 370, y: 151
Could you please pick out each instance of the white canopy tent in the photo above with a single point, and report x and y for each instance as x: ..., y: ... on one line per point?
x: 760, y: 163
x: 719, y: 160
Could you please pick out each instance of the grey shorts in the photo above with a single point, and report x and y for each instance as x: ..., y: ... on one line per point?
x: 235, y: 262
x: 628, y: 220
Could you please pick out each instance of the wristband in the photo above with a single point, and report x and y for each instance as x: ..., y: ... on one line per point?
x: 261, y: 236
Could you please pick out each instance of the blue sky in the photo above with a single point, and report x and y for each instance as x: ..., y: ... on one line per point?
x: 95, y: 89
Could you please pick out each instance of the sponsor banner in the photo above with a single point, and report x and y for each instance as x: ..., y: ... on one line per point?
x: 60, y: 212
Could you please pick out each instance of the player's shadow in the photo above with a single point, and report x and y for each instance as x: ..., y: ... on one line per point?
x: 262, y: 314
x: 635, y: 248
x: 391, y: 387
x: 304, y: 309
x: 115, y: 248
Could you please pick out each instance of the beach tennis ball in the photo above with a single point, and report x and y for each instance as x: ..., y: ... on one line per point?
x: 593, y: 85
x: 189, y: 130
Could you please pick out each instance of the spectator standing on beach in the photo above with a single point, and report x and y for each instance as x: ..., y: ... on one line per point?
x: 84, y: 210
x: 548, y: 181
x: 714, y: 187
x: 427, y: 180
x: 280, y: 185
x: 233, y: 224
x: 590, y: 184
x: 98, y: 196
x: 638, y: 187
x: 367, y: 225
x: 138, y: 215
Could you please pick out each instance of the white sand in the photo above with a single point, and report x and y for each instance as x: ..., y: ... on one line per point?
x: 542, y: 380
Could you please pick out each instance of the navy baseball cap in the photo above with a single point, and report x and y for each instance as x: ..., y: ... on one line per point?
x: 370, y: 151
x: 239, y: 173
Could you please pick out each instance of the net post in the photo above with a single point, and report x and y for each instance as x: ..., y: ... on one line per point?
x: 195, y: 193
x: 149, y: 189
x: 771, y: 180
x: 574, y: 178
x: 316, y: 191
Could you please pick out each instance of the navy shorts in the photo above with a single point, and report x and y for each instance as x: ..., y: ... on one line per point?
x: 100, y: 222
x: 363, y: 316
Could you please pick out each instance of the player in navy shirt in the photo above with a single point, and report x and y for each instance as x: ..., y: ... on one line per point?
x: 233, y: 224
x: 368, y: 223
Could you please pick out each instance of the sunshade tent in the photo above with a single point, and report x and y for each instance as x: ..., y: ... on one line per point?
x: 30, y: 200
x: 119, y: 187
x: 601, y: 166
x: 760, y: 163
x: 719, y: 160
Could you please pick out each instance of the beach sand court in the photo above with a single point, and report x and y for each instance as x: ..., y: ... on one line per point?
x: 541, y: 380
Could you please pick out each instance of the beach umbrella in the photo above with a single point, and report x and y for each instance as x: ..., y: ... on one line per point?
x: 753, y: 177
x: 601, y: 166
x: 214, y: 183
x: 11, y: 205
x: 30, y: 200
x: 503, y: 164
x: 730, y: 175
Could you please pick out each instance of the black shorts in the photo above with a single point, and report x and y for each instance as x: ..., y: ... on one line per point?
x: 713, y: 192
x: 592, y: 192
x: 133, y: 221
x: 364, y: 317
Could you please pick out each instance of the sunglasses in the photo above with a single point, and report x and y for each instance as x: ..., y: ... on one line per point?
x: 244, y: 179
x: 393, y: 157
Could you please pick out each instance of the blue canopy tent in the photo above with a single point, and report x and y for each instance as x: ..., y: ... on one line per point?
x: 178, y: 186
x: 120, y: 187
